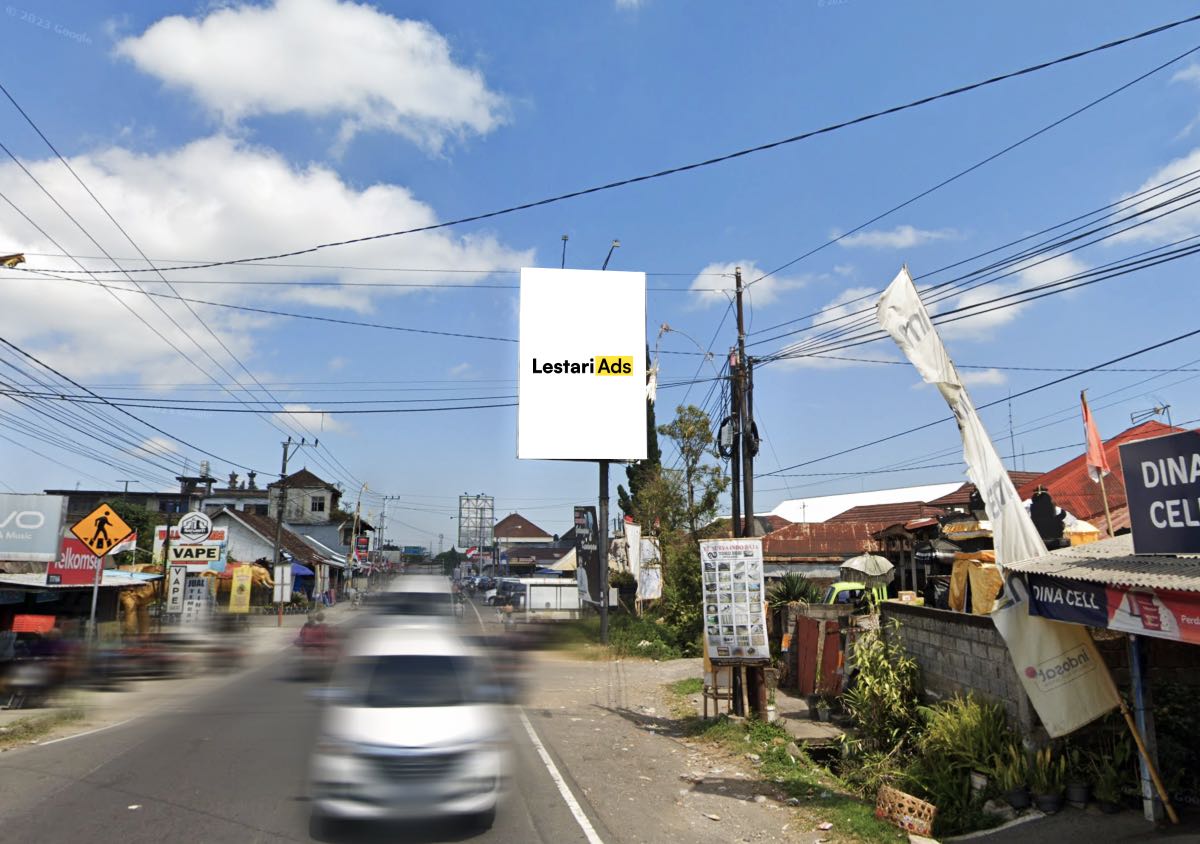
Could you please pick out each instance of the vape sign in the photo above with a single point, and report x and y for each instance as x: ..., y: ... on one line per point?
x: 195, y: 527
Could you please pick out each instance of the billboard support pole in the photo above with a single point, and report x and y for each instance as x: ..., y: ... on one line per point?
x: 602, y: 542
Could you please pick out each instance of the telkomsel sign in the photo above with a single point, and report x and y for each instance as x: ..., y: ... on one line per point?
x: 1162, y: 485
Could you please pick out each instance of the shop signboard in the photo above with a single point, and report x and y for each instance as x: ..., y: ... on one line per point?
x: 30, y: 527
x: 239, y: 589
x: 1162, y: 613
x: 414, y: 551
x: 197, y: 600
x: 735, y: 620
x: 75, y: 566
x: 1162, y: 486
x: 587, y: 555
x: 582, y: 375
x: 176, y: 587
x: 198, y: 556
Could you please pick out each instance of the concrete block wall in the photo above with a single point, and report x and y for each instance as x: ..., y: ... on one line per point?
x: 958, y: 653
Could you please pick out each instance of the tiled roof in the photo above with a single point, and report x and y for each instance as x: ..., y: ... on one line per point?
x: 265, y: 527
x: 516, y: 526
x: 765, y: 525
x: 962, y: 495
x: 1074, y: 491
x: 821, y: 540
x: 889, y: 514
x: 305, y: 479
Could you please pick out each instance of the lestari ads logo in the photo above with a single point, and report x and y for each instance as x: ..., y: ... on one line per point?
x: 599, y: 365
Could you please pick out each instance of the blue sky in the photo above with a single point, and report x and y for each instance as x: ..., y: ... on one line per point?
x: 219, y: 130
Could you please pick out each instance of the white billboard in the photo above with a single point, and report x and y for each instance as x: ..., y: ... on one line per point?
x: 583, y: 365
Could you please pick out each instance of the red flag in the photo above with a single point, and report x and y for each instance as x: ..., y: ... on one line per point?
x: 1097, y: 461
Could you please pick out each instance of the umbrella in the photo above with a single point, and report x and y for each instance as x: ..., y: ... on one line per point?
x: 870, y: 568
x: 303, y: 571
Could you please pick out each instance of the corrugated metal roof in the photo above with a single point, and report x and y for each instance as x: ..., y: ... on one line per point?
x: 889, y: 514
x: 1073, y: 490
x: 820, y: 508
x: 1112, y: 561
x: 821, y: 541
x: 110, y: 579
x: 962, y: 496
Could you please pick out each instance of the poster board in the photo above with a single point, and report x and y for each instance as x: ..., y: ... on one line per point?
x: 735, y: 619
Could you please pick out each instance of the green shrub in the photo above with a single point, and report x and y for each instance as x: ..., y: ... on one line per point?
x: 630, y: 636
x: 793, y: 588
x: 884, y: 698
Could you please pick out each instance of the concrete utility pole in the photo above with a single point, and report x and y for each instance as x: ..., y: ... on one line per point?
x: 289, y: 448
x: 745, y: 446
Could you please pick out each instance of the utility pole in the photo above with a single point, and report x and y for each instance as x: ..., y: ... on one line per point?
x: 602, y: 542
x: 744, y: 447
x: 289, y: 448
x: 125, y: 494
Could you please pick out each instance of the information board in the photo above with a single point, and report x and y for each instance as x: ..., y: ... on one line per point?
x: 735, y: 620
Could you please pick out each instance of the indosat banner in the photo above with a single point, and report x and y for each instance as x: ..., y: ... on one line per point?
x: 582, y: 365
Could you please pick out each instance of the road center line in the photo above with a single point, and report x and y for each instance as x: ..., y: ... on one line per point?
x: 580, y: 817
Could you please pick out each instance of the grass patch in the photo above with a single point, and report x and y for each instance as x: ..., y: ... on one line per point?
x: 628, y: 636
x: 690, y: 686
x: 822, y: 796
x: 25, y: 730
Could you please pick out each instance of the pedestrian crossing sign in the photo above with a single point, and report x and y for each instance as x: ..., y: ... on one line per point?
x: 101, y: 530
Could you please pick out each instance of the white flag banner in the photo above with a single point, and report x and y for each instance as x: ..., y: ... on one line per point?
x: 633, y: 547
x: 1058, y: 663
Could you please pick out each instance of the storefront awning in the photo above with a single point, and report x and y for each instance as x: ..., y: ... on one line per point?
x: 1112, y: 562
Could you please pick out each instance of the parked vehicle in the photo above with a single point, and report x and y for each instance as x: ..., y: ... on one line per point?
x: 410, y: 730
x: 855, y: 594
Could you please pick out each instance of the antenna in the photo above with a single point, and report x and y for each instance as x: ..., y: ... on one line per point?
x: 563, y: 265
x: 616, y: 244
x: 1140, y: 416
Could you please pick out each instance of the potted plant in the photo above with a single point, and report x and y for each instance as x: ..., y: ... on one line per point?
x: 1108, y: 779
x: 1047, y: 776
x: 824, y: 707
x: 1012, y: 776
x: 1078, y: 790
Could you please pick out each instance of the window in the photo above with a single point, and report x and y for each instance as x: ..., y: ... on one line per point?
x: 318, y: 503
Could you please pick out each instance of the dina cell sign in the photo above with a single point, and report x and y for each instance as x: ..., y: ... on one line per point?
x: 1162, y: 485
x: 582, y: 364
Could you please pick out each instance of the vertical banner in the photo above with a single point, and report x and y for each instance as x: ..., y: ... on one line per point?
x: 735, y: 621
x: 587, y: 555
x: 1058, y: 663
x: 283, y: 584
x: 176, y: 587
x: 633, y: 547
x: 239, y: 590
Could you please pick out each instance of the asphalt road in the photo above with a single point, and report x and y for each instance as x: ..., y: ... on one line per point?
x: 230, y: 765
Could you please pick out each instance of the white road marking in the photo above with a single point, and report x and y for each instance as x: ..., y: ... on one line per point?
x: 81, y: 735
x: 580, y: 817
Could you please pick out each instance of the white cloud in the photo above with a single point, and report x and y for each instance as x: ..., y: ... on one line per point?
x: 214, y: 198
x: 629, y: 4
x: 853, y: 309
x: 318, y: 423
x: 983, y: 377
x: 338, y: 363
x: 901, y: 237
x: 1191, y: 73
x: 1033, y: 273
x: 159, y: 447
x: 320, y: 58
x: 1169, y: 226
x: 717, y: 284
x: 460, y: 369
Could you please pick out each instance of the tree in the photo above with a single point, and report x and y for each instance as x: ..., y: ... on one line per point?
x: 643, y: 471
x: 142, y: 521
x: 703, y: 482
x: 448, y: 560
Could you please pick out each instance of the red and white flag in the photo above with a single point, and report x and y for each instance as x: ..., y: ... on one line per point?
x: 129, y: 543
x: 472, y: 552
x: 1097, y: 460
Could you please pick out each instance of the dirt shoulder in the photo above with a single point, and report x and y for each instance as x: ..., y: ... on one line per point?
x: 616, y: 729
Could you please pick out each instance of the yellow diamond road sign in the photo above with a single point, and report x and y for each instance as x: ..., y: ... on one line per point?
x: 101, y: 530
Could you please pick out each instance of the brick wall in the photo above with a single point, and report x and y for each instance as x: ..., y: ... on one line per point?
x: 959, y: 653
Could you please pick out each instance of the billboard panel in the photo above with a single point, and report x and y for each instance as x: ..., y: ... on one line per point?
x: 582, y: 365
x: 476, y: 519
x: 75, y: 566
x: 31, y: 527
x: 587, y: 554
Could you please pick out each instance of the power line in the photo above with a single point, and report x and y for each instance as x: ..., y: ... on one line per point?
x: 1026, y: 392
x: 962, y: 89
x: 976, y: 165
